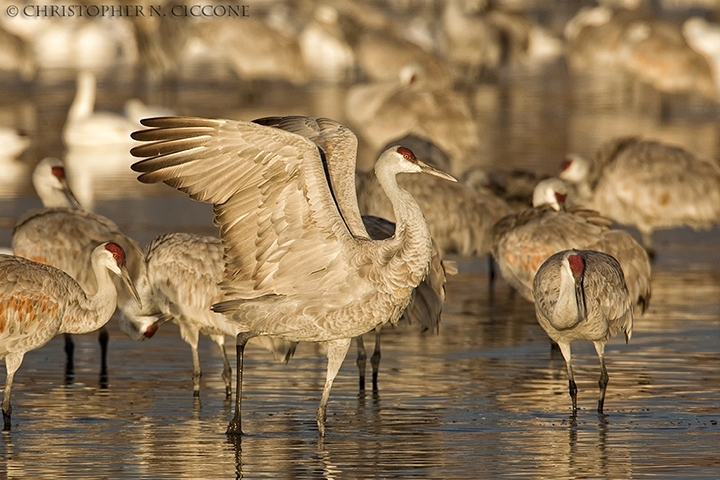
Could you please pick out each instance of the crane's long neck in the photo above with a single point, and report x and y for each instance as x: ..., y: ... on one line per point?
x: 411, y: 246
x: 52, y: 197
x: 566, y: 314
x: 88, y: 313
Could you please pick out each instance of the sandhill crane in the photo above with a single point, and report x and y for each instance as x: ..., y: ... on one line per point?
x: 522, y: 242
x: 38, y: 301
x: 50, y: 181
x: 382, y: 52
x: 64, y: 237
x: 581, y: 295
x: 470, y: 40
x: 338, y: 146
x: 293, y: 268
x: 648, y: 184
x: 181, y: 283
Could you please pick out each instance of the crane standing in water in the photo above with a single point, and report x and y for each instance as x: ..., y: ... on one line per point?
x: 38, y: 301
x: 338, y: 147
x: 294, y: 269
x: 581, y: 295
x: 181, y: 284
x: 522, y: 242
x: 64, y: 236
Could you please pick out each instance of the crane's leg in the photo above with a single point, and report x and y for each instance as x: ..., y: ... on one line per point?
x: 227, y: 370
x: 235, y: 426
x: 337, y: 349
x: 12, y: 363
x: 197, y: 371
x: 572, y: 387
x: 602, y: 383
x: 375, y: 359
x: 103, y: 338
x: 491, y: 270
x: 361, y: 360
x: 70, y: 356
x: 191, y: 336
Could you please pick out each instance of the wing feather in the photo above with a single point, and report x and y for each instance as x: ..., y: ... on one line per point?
x: 339, y: 144
x: 280, y: 226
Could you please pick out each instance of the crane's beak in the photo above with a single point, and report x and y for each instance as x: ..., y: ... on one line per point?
x: 150, y: 330
x: 137, y: 325
x: 580, y: 299
x: 434, y: 171
x: 125, y: 275
x: 70, y: 195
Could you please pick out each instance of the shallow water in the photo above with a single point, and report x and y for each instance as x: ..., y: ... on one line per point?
x: 486, y: 397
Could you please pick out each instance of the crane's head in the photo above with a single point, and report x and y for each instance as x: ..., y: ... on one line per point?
x: 51, y: 184
x: 112, y: 256
x: 574, y: 169
x: 137, y: 324
x: 551, y: 191
x: 397, y: 159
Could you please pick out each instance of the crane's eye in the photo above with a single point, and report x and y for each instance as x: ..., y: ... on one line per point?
x: 407, y: 154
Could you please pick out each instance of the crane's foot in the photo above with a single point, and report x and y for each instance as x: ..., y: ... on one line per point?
x: 573, y: 395
x: 234, y: 428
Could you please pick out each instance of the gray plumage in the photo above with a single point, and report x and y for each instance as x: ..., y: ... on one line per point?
x: 337, y: 146
x: 581, y: 295
x: 425, y: 306
x: 64, y: 236
x: 181, y: 284
x: 293, y: 268
x: 38, y: 301
x: 648, y: 184
x: 460, y: 217
x: 523, y: 241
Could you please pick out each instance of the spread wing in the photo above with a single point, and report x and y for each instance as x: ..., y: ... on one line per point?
x: 281, y: 229
x: 339, y: 146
